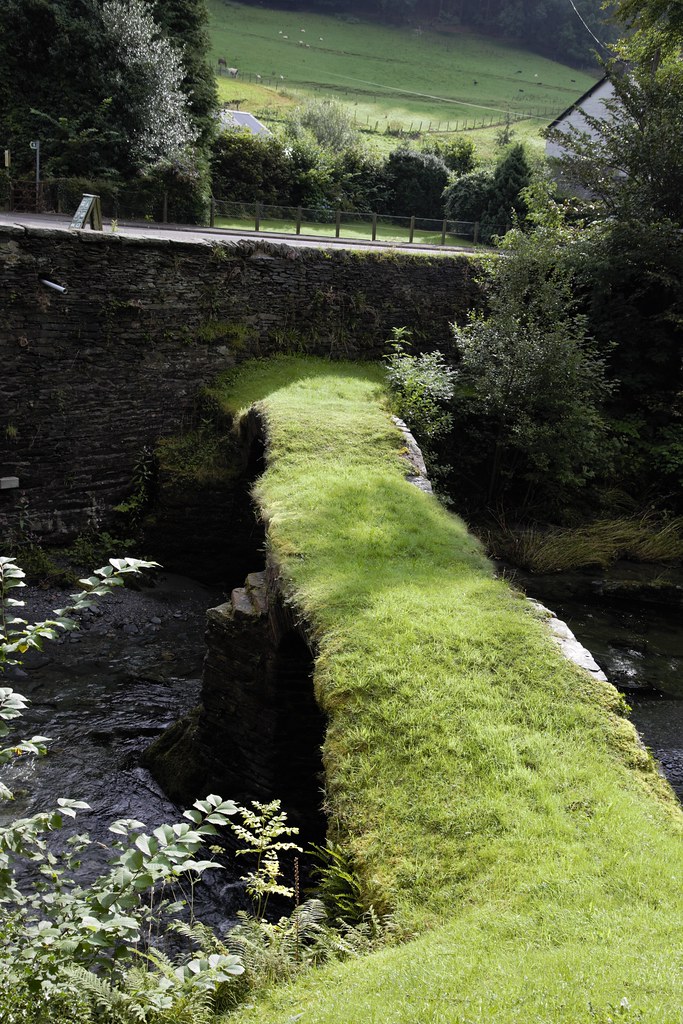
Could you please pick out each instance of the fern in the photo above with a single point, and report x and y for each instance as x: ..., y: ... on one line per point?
x: 112, y: 1001
x: 142, y: 996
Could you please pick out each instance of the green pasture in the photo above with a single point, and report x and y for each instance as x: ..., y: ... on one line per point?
x: 490, y: 794
x: 388, y: 76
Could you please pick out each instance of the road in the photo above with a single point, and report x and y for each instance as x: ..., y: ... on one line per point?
x: 194, y: 234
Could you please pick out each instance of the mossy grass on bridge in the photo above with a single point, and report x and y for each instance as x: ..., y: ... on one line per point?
x: 490, y: 793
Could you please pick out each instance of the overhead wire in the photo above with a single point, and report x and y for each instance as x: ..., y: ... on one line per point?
x: 588, y: 28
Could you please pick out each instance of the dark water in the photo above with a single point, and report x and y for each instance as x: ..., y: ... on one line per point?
x: 636, y: 640
x: 102, y: 695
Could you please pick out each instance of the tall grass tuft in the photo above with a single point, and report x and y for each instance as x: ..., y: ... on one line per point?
x: 644, y: 538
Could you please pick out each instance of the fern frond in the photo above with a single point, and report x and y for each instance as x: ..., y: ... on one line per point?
x: 105, y: 996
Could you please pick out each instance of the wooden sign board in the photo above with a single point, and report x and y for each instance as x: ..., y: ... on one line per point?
x: 89, y: 209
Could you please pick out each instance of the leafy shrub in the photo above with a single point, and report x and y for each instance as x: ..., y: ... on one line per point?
x: 467, y: 198
x: 330, y: 124
x: 250, y: 168
x: 415, y: 182
x: 458, y: 154
x: 421, y: 388
x: 540, y: 388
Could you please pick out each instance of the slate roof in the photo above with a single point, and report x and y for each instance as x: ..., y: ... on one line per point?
x: 242, y: 119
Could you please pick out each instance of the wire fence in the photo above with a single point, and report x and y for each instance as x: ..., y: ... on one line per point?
x: 446, y: 124
x: 346, y: 225
x: 62, y: 196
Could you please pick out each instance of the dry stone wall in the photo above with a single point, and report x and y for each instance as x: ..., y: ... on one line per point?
x: 92, y: 375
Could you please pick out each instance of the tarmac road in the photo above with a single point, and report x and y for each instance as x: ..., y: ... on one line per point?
x: 194, y: 234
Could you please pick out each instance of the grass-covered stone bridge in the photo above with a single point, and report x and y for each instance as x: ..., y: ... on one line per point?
x: 490, y: 794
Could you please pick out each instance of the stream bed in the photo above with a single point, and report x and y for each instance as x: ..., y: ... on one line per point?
x: 102, y: 695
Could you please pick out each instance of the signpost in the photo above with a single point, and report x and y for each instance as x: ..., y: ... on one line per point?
x: 35, y: 144
x: 89, y: 209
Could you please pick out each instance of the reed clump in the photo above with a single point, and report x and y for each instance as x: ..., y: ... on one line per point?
x: 643, y: 538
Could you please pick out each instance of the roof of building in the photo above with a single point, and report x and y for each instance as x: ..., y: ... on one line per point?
x: 577, y: 103
x: 242, y: 119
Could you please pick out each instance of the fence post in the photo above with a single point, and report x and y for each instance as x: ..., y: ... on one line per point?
x: 374, y: 227
x: 475, y: 237
x: 257, y: 216
x: 337, y: 224
x: 164, y: 209
x: 212, y: 213
x: 443, y: 233
x: 412, y: 229
x: 298, y: 220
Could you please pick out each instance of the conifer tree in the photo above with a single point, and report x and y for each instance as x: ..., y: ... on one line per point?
x: 512, y: 174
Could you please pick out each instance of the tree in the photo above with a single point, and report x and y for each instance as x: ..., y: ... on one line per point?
x: 185, y: 23
x: 128, y: 87
x: 630, y: 161
x: 36, y: 35
x: 467, y: 198
x: 628, y: 268
x: 663, y: 16
x: 506, y: 202
x: 329, y: 123
x: 416, y: 182
x: 149, y: 100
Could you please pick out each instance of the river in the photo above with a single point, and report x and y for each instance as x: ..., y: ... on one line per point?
x: 102, y: 695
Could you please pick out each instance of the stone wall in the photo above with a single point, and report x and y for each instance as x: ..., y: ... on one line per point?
x: 93, y: 375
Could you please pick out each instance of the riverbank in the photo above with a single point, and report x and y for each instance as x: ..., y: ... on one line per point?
x: 493, y: 796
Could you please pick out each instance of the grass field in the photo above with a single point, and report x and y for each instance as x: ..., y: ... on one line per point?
x: 490, y: 793
x: 387, y: 75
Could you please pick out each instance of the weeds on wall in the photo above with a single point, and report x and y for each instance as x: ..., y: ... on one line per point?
x: 421, y: 387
